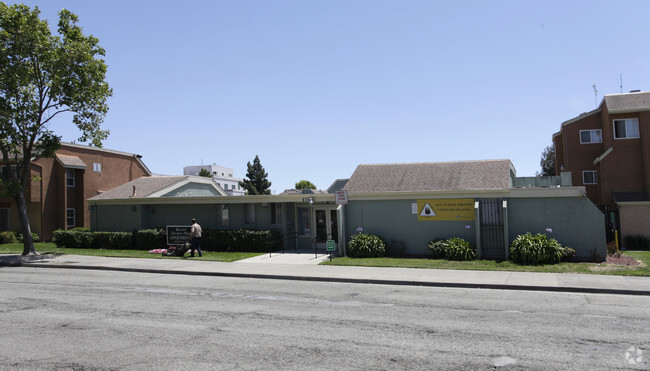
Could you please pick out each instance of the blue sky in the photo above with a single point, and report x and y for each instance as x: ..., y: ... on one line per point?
x: 316, y: 88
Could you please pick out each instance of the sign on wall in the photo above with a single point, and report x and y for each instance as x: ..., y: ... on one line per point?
x: 178, y: 234
x: 446, y: 209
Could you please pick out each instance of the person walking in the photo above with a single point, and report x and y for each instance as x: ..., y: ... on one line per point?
x: 195, y: 238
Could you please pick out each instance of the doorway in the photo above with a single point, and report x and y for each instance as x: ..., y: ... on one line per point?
x: 326, y: 223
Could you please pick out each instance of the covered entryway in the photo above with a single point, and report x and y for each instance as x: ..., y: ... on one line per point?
x: 326, y: 222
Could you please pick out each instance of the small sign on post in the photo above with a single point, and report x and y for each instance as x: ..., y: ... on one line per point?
x: 331, y: 247
x: 341, y: 197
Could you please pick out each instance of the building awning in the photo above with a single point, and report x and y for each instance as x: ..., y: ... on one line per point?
x: 71, y: 162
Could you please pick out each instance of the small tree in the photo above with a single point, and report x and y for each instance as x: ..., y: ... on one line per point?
x: 42, y: 76
x: 305, y: 184
x: 548, y: 161
x: 257, y: 182
x: 205, y: 173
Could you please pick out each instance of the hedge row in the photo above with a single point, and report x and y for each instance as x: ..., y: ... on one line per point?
x: 149, y: 239
x: 13, y: 237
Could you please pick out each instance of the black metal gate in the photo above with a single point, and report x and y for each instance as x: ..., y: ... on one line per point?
x: 493, y: 244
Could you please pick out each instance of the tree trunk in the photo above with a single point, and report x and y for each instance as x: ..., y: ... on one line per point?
x: 28, y: 242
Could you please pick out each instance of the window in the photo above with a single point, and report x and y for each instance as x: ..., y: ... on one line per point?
x: 97, y: 167
x: 591, y: 136
x: 249, y: 218
x: 276, y: 213
x: 589, y: 177
x: 4, y: 219
x: 303, y: 222
x: 626, y: 128
x: 70, y: 218
x: 69, y: 177
x: 225, y: 186
x: 223, y: 215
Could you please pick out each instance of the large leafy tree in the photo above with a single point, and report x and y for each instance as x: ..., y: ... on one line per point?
x: 257, y: 182
x: 305, y: 184
x: 41, y: 77
x: 547, y: 162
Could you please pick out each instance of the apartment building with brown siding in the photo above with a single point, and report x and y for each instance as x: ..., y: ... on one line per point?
x: 61, y: 185
x: 608, y: 151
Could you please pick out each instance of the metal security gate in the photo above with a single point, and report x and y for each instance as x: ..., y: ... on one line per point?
x: 493, y: 245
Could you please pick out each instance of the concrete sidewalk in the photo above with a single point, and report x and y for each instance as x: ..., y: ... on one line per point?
x: 305, y: 267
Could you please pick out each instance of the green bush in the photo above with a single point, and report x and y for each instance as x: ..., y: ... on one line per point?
x: 35, y: 237
x: 536, y: 250
x: 459, y: 249
x: 364, y: 245
x: 8, y: 237
x: 240, y: 240
x: 149, y: 239
x: 638, y: 242
x: 120, y: 240
x: 438, y: 247
x: 567, y: 253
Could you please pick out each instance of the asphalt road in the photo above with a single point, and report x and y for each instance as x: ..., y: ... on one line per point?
x: 60, y: 319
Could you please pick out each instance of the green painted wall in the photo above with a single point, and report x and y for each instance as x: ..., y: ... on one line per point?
x: 576, y: 222
x: 394, y: 220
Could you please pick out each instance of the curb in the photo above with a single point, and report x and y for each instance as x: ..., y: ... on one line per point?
x: 569, y: 289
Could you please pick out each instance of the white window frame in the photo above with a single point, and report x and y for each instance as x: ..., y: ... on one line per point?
x: 594, y: 175
x: 595, y: 136
x: 68, y: 217
x: 70, y: 180
x: 249, y: 214
x: 631, y: 128
x: 7, y: 217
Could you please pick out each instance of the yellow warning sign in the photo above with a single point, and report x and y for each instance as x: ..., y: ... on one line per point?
x: 446, y: 209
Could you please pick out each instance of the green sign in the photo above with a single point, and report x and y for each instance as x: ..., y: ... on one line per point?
x: 331, y: 245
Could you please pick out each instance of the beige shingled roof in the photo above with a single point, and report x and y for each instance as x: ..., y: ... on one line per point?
x: 71, y: 162
x: 144, y: 186
x: 630, y: 102
x: 431, y: 176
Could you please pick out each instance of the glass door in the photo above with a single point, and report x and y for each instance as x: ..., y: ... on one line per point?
x: 326, y: 226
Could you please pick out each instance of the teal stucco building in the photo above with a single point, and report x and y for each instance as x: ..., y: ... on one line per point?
x: 407, y: 205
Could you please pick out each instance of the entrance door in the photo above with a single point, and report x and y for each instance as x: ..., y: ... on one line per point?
x: 326, y: 226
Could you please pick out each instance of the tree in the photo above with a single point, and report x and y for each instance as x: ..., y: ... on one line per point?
x: 548, y: 161
x: 42, y: 76
x: 305, y: 184
x: 256, y: 184
x: 205, y: 173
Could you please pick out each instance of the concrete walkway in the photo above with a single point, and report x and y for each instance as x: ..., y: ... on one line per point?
x: 305, y: 267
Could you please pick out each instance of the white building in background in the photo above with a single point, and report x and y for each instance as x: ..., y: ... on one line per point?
x: 222, y: 175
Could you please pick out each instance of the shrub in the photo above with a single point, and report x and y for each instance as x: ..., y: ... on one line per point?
x: 638, y: 242
x: 149, y: 239
x: 240, y: 240
x: 459, y: 249
x: 438, y: 247
x: 567, y: 253
x: 536, y: 250
x: 8, y: 237
x: 35, y: 237
x: 120, y: 240
x: 364, y: 245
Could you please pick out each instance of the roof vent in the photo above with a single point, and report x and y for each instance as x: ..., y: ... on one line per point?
x: 635, y: 91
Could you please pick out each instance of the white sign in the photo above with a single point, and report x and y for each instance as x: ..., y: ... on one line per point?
x: 342, y: 197
x: 414, y: 209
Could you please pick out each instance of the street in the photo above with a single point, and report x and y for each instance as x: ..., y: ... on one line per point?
x: 83, y: 320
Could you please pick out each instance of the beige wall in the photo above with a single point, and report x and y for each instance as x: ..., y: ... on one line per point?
x: 635, y: 219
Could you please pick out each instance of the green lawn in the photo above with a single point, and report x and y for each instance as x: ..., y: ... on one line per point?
x: 490, y: 265
x: 50, y: 248
x: 485, y: 265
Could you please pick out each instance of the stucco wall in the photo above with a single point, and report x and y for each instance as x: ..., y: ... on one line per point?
x: 635, y: 219
x: 575, y: 222
x: 394, y: 220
